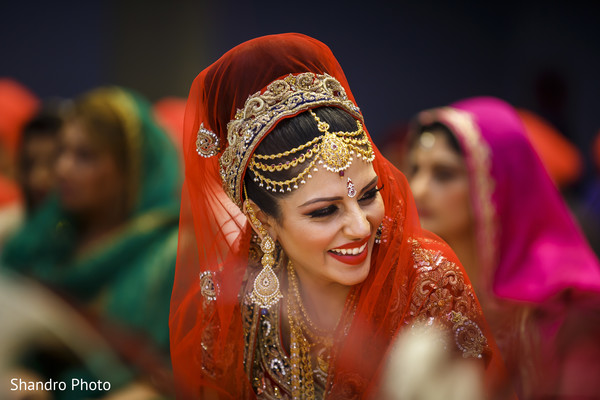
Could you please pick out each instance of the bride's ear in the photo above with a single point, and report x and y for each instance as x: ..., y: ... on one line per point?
x: 260, y: 221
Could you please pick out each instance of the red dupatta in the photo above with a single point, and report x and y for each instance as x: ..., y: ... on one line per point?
x: 409, y: 268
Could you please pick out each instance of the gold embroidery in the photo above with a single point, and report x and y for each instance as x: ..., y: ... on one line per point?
x: 209, y: 364
x: 208, y: 289
x: 468, y: 336
x: 282, y: 98
x: 207, y: 142
x: 441, y: 294
x: 212, y: 366
x: 265, y: 360
x: 267, y: 363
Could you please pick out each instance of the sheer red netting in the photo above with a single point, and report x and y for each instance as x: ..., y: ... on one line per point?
x: 207, y: 342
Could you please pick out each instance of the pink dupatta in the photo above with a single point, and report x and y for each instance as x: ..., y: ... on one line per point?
x: 533, y: 256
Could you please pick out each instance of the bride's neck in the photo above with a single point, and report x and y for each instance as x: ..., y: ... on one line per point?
x: 323, y: 301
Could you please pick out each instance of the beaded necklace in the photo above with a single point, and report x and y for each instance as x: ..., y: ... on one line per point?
x: 321, y: 342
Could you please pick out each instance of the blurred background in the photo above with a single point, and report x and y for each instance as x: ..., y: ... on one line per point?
x: 399, y: 57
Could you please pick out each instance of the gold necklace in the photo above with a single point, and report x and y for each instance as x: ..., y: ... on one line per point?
x: 315, y: 332
x: 303, y: 386
x: 321, y: 338
x: 300, y: 347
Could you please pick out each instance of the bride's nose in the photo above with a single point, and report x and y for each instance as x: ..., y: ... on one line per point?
x: 356, y: 225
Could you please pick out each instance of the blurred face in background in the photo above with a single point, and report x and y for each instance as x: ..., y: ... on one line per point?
x: 91, y: 179
x: 38, y: 162
x: 440, y: 184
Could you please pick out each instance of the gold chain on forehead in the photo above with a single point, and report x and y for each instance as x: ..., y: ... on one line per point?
x: 262, y: 111
x: 335, y: 151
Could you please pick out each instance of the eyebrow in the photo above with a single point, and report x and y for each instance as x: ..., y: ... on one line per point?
x: 319, y: 199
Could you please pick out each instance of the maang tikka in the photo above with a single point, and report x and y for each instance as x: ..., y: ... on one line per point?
x: 266, y: 291
x: 262, y: 111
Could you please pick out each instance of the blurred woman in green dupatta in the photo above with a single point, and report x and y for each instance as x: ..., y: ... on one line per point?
x: 108, y: 242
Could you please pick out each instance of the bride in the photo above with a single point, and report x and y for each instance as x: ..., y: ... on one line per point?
x: 301, y: 256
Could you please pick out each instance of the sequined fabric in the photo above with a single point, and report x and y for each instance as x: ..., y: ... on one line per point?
x: 440, y: 296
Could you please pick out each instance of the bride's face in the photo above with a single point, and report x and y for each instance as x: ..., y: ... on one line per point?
x: 328, y: 235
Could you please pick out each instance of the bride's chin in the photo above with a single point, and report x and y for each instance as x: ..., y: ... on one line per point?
x: 357, y: 274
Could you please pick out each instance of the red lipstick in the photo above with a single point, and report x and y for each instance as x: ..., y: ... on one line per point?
x: 352, y: 259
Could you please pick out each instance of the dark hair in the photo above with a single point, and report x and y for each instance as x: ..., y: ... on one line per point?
x: 288, y: 134
x: 47, y: 121
x: 42, y: 124
x: 45, y: 124
x: 438, y: 127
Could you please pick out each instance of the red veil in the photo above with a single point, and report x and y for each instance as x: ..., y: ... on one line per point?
x: 207, y: 344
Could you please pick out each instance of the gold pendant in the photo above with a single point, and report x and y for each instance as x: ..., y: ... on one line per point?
x: 266, y: 291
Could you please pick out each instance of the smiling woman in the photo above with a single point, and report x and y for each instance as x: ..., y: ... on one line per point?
x: 301, y: 255
x: 328, y: 262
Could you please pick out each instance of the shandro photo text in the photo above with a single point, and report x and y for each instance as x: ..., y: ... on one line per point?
x: 55, y: 386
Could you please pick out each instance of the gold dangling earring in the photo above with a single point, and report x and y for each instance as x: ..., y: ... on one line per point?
x: 266, y: 291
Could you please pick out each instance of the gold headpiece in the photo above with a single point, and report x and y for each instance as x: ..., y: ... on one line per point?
x: 262, y: 111
x: 332, y: 150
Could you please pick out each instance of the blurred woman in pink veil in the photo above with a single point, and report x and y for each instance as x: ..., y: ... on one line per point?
x: 479, y: 184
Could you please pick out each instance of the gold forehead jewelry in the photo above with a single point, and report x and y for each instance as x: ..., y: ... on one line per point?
x: 335, y: 151
x: 283, y: 98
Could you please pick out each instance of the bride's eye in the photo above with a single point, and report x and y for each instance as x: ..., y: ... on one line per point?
x: 370, y: 194
x: 323, y: 212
